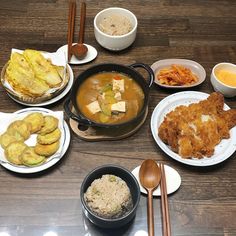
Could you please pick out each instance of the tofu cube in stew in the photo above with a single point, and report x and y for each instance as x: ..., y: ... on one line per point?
x: 94, y: 107
x: 118, y: 85
x: 119, y: 106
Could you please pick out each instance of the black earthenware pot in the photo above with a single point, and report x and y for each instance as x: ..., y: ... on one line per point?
x: 133, y: 185
x: 128, y: 70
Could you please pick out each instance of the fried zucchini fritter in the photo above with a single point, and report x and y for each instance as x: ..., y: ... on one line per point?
x: 6, y: 138
x: 30, y: 158
x: 50, y: 124
x: 36, y: 120
x: 47, y: 149
x: 50, y: 137
x: 14, y: 151
x: 20, y: 126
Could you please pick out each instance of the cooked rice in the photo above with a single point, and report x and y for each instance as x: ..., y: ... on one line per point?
x: 115, y: 25
x: 109, y: 197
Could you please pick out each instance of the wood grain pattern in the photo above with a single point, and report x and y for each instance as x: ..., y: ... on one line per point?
x: 205, y: 204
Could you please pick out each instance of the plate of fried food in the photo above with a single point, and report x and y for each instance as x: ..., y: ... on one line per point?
x: 32, y: 139
x: 36, y: 78
x: 195, y: 128
x: 178, y: 73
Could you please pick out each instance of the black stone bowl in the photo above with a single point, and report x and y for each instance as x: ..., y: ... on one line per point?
x: 133, y: 185
x: 130, y: 71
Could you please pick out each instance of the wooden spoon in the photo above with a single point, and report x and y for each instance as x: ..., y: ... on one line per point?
x: 150, y: 176
x: 80, y: 50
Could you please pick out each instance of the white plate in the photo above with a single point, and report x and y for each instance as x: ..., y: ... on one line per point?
x: 64, y: 142
x: 173, y: 180
x: 53, y: 100
x: 195, y: 67
x: 222, y: 151
x: 91, y: 54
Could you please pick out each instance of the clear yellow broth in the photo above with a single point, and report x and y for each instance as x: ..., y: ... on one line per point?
x: 90, y: 90
x: 226, y: 77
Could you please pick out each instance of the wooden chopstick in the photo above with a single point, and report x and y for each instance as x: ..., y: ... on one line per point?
x: 71, y: 26
x: 164, y: 203
x: 82, y: 22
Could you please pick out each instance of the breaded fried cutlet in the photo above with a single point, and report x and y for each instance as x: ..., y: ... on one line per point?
x: 193, y: 131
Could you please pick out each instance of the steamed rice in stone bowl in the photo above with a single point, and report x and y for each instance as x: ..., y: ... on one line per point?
x: 109, y: 197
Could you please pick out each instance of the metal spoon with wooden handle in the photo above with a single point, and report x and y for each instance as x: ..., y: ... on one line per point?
x: 150, y: 176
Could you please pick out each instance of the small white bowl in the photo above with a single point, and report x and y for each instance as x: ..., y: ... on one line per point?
x: 226, y: 90
x: 111, y: 42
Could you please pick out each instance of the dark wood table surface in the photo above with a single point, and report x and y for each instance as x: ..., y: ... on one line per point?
x: 48, y: 203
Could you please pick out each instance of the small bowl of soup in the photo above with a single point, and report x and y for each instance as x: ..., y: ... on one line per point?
x: 223, y: 79
x: 115, y: 28
x: 110, y: 95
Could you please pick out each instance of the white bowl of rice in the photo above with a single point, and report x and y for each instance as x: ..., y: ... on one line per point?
x: 115, y: 28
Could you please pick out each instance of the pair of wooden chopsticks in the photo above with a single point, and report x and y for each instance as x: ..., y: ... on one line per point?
x: 71, y: 27
x: 164, y: 203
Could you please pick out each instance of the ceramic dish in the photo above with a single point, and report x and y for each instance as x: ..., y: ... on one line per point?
x: 195, y: 67
x: 173, y: 181
x: 52, y: 100
x: 91, y: 54
x: 222, y: 151
x: 64, y: 144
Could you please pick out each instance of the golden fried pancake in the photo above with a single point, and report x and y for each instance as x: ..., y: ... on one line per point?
x: 43, y: 68
x: 50, y: 137
x: 36, y: 120
x: 46, y: 149
x: 21, y: 77
x: 14, y: 151
x: 6, y: 139
x: 22, y: 127
x: 30, y: 158
x: 50, y: 124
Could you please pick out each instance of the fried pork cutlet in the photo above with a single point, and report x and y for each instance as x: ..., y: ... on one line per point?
x: 193, y: 131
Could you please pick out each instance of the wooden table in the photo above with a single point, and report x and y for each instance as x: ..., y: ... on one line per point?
x: 48, y: 203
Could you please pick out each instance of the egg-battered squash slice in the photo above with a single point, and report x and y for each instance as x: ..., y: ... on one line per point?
x: 20, y: 126
x: 50, y: 124
x: 47, y: 149
x: 14, y: 151
x: 30, y: 158
x: 50, y: 137
x: 36, y: 120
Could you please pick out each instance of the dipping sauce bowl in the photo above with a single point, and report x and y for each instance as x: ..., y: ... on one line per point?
x: 223, y: 79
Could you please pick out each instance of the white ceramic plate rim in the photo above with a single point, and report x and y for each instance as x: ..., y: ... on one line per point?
x: 222, y: 151
x: 53, y: 100
x: 173, y: 180
x: 91, y: 54
x: 193, y: 65
x: 50, y: 162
